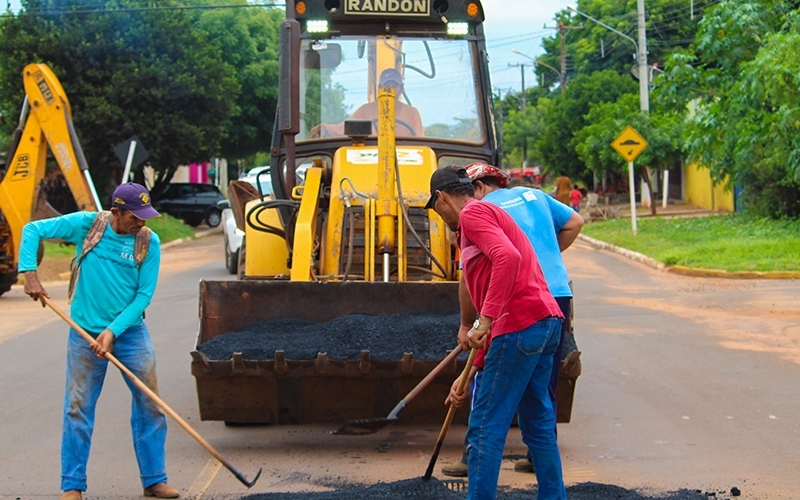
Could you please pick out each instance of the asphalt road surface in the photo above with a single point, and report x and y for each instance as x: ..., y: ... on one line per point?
x: 687, y: 383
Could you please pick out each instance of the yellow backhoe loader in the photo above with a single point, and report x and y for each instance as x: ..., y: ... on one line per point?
x: 375, y: 95
x: 45, y: 119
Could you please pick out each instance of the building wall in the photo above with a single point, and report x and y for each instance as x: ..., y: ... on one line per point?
x: 701, y: 192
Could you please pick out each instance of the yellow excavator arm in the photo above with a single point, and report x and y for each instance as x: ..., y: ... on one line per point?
x: 46, y: 119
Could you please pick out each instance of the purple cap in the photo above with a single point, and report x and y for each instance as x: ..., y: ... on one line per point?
x: 136, y: 198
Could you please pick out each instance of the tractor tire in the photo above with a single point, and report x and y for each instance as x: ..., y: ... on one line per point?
x: 6, y: 280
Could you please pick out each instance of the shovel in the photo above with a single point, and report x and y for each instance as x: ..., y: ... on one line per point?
x: 462, y: 382
x: 152, y: 395
x: 370, y: 425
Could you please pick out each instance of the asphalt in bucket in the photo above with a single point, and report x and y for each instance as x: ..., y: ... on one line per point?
x: 427, y: 336
x: 419, y: 489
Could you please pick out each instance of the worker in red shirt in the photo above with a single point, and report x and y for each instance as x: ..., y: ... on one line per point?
x: 518, y: 327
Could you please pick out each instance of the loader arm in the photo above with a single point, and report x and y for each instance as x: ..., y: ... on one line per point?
x: 48, y: 122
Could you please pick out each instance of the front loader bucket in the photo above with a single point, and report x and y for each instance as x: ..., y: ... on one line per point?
x: 281, y: 390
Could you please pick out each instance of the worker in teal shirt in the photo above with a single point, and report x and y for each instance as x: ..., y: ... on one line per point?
x: 115, y: 284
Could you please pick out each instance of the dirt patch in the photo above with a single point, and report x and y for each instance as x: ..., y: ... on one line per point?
x: 53, y: 267
x: 418, y: 489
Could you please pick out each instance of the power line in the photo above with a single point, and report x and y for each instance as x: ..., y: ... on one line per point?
x: 55, y: 12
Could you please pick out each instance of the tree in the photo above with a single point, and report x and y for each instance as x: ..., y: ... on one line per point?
x: 566, y: 116
x: 670, y: 24
x: 743, y: 88
x: 247, y: 39
x: 607, y: 120
x: 522, y: 126
x: 149, y: 73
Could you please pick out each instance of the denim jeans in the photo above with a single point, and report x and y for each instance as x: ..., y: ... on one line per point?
x: 85, y: 376
x: 515, y: 378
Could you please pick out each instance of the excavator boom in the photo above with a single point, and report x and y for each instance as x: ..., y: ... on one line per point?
x: 46, y: 119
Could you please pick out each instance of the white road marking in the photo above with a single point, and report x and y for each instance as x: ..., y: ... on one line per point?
x: 203, y: 480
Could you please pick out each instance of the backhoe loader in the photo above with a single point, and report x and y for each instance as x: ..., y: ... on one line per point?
x: 375, y: 95
x: 45, y: 119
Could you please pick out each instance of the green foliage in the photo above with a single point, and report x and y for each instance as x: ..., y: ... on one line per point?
x: 247, y: 39
x: 190, y: 83
x: 743, y: 88
x: 169, y: 228
x: 63, y: 250
x: 731, y: 243
x: 607, y: 120
x: 670, y: 24
x: 566, y: 116
x: 520, y: 126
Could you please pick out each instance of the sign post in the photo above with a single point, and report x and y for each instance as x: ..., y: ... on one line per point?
x: 629, y: 144
x: 131, y: 153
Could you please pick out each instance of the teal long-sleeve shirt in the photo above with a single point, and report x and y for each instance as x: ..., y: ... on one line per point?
x: 111, y: 292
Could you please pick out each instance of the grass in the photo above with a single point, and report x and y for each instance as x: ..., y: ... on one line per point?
x: 728, y: 242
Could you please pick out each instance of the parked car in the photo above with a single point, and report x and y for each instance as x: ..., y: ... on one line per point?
x: 233, y: 235
x: 194, y: 203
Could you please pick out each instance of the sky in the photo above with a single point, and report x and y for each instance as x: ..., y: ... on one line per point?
x: 510, y: 24
x: 517, y: 24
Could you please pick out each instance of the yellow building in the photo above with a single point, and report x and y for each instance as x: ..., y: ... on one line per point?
x: 701, y: 191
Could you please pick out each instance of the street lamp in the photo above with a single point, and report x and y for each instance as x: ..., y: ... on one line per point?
x: 561, y: 78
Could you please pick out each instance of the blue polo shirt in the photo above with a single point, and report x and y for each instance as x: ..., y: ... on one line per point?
x: 112, y: 292
x: 541, y: 217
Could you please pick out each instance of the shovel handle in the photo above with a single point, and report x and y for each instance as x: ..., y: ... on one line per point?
x: 152, y: 395
x: 462, y: 382
x: 425, y: 381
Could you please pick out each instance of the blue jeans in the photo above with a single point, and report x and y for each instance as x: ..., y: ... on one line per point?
x: 516, y: 376
x: 85, y: 376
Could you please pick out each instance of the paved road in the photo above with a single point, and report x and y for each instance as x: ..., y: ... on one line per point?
x: 688, y: 383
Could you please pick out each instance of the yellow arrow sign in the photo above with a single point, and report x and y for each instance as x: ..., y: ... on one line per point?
x: 629, y: 144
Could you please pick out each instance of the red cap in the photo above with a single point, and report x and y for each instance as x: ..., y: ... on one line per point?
x: 478, y: 170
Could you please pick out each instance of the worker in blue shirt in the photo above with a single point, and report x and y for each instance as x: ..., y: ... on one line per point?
x: 117, y: 260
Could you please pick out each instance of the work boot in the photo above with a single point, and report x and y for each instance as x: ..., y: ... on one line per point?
x: 72, y: 495
x: 161, y: 490
x: 457, y: 469
x: 523, y: 465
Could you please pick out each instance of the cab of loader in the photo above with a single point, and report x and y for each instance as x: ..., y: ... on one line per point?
x: 45, y: 120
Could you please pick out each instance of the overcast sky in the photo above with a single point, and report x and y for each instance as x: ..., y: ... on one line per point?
x: 509, y: 24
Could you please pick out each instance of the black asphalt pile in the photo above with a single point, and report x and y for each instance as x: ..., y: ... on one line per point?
x: 426, y: 336
x: 418, y: 489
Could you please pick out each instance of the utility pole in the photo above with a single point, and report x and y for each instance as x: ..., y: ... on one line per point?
x: 522, y: 74
x: 500, y: 142
x: 644, y: 73
x: 562, y: 30
x: 522, y: 107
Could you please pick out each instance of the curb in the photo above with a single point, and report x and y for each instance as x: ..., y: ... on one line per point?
x: 689, y: 271
x: 197, y: 236
x: 630, y: 254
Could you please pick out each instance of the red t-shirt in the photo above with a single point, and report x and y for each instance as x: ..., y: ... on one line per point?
x: 501, y: 271
x: 576, y: 196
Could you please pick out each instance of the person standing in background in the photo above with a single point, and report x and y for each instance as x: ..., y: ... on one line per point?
x: 575, y: 197
x: 563, y: 185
